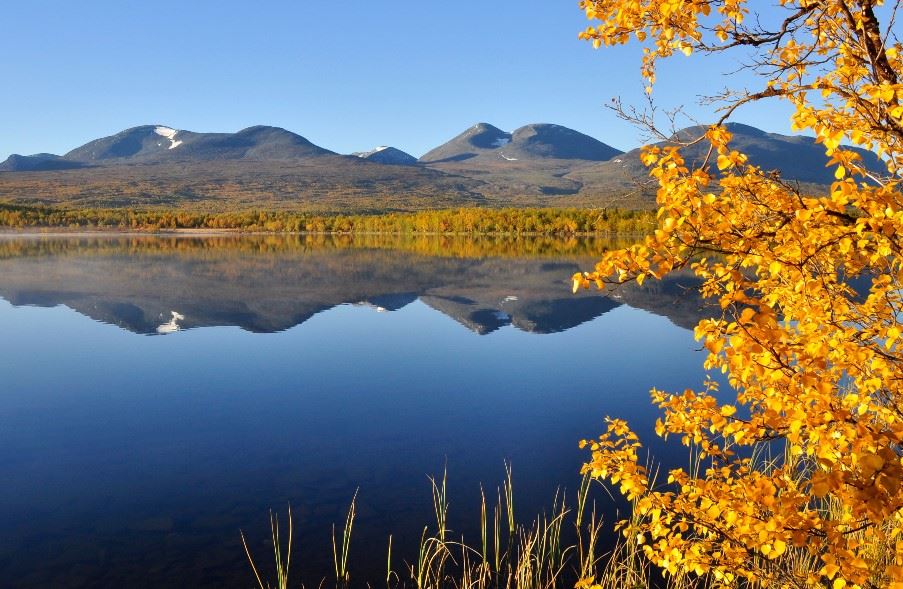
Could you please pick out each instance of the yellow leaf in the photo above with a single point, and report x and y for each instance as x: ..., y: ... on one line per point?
x: 779, y: 547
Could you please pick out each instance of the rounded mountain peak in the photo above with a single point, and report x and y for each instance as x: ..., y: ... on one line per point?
x: 547, y: 140
x: 125, y: 144
x: 265, y: 130
x: 486, y: 136
x: 477, y: 139
x: 385, y: 154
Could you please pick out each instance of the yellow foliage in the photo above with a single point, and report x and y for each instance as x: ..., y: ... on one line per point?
x: 811, y: 293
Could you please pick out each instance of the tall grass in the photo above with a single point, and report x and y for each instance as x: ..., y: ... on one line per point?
x: 559, y: 548
x: 340, y: 551
x: 282, y: 563
x: 510, y: 555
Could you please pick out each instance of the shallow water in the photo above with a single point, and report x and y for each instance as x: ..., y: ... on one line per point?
x: 159, y: 394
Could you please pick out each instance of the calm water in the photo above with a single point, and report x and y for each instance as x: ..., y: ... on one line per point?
x: 159, y: 394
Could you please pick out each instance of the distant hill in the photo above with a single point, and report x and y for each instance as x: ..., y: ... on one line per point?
x: 387, y: 155
x: 536, y: 141
x: 39, y: 162
x: 795, y: 157
x: 533, y: 162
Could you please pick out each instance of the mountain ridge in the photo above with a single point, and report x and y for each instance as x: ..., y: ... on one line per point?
x: 161, y: 143
x: 535, y: 140
x: 798, y: 157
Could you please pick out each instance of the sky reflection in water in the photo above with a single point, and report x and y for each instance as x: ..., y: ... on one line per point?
x: 133, y: 460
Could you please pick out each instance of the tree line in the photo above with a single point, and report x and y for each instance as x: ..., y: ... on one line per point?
x: 539, y: 221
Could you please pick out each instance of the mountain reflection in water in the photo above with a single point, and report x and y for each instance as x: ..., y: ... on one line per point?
x: 151, y: 285
x: 133, y: 461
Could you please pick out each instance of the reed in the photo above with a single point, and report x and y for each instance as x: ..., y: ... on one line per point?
x: 561, y: 547
x: 282, y: 559
x: 341, y: 550
x: 510, y: 555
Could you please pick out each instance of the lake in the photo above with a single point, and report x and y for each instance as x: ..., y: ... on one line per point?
x: 160, y: 394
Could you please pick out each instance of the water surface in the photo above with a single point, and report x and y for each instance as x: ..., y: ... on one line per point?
x: 159, y: 394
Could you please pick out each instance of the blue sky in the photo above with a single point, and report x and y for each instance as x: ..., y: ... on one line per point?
x: 347, y: 75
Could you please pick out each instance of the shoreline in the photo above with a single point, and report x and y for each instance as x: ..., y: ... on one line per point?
x: 8, y: 232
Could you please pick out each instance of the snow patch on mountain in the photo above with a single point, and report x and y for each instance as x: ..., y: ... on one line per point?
x: 386, y: 154
x: 169, y: 134
x: 366, y: 154
x: 172, y: 325
x: 501, y: 142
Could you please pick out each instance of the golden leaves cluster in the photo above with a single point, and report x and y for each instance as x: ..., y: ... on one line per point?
x: 805, y: 465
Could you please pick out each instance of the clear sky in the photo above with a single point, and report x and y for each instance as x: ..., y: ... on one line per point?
x: 347, y: 75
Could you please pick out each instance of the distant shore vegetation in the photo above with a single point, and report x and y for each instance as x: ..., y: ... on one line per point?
x: 535, y: 221
x: 203, y: 246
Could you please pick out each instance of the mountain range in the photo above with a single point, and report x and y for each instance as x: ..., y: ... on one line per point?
x: 262, y: 166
